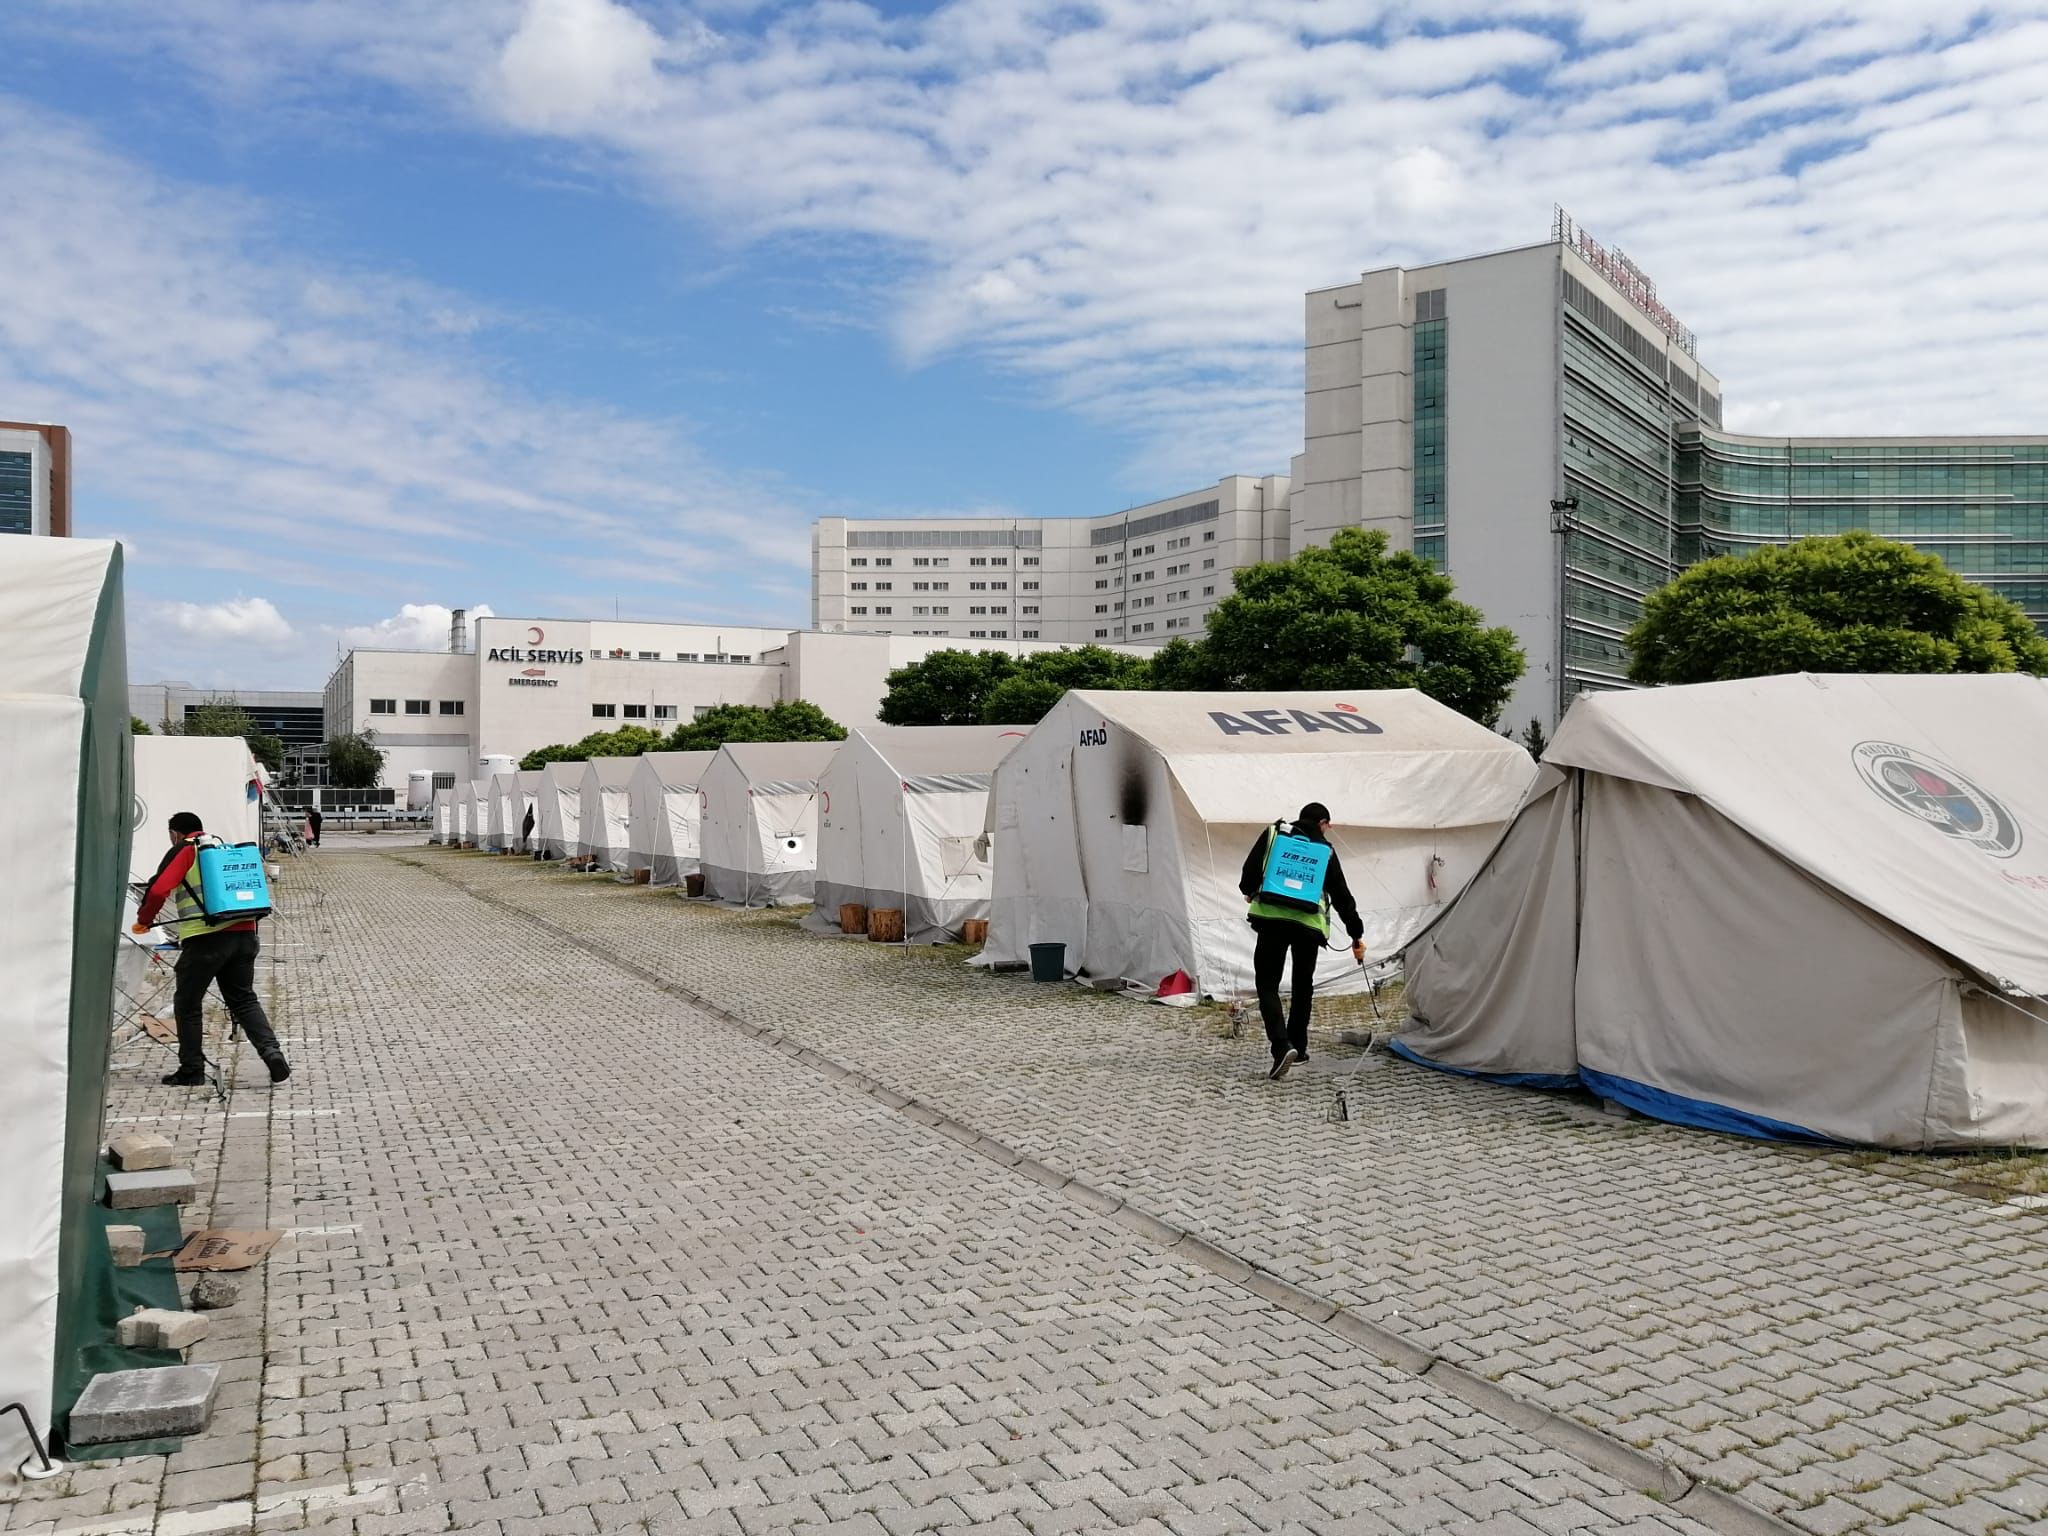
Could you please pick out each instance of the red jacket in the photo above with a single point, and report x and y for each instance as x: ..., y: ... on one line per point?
x: 170, y: 875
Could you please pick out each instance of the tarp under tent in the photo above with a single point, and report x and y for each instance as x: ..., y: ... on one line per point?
x: 65, y: 756
x: 900, y: 819
x: 665, y: 814
x: 603, y: 812
x: 1120, y: 826
x: 760, y: 814
x: 214, y: 777
x: 1801, y: 906
x: 558, y: 810
x: 441, y: 819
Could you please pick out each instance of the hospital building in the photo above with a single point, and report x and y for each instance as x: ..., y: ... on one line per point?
x: 1535, y: 422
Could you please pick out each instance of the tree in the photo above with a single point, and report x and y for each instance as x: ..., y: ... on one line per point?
x: 1350, y: 615
x: 1036, y: 681
x: 224, y: 717
x: 1849, y: 602
x: 946, y: 688
x: 1534, y: 739
x: 137, y: 726
x: 626, y: 741
x: 354, y: 760
x: 791, y: 720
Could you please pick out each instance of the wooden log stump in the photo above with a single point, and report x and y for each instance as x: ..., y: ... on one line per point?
x: 974, y: 931
x: 885, y: 925
x: 853, y: 917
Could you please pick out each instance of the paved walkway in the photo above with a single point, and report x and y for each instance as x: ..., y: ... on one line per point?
x: 1846, y: 1350
x: 574, y: 1257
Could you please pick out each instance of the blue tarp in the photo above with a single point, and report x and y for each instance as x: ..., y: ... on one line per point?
x: 1680, y: 1110
x: 1511, y: 1079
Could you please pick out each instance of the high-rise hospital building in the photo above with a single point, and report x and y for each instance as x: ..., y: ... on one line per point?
x: 1535, y: 422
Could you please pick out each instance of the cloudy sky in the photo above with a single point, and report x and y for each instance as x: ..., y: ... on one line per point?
x: 568, y: 307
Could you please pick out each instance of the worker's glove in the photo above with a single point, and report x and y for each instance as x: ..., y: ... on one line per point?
x: 1358, y: 950
x: 138, y: 927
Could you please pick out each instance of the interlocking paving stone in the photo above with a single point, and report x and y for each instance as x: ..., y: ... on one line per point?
x: 1729, y: 1304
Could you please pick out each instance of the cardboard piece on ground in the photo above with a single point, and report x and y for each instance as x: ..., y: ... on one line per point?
x: 157, y: 1029
x: 223, y: 1248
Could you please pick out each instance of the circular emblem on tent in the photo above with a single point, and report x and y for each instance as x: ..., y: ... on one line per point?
x: 1936, y: 794
x: 136, y: 813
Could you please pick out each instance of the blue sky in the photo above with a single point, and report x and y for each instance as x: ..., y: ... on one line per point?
x: 550, y: 305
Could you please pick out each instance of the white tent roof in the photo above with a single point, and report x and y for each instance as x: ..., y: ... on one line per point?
x: 780, y: 767
x: 678, y: 770
x: 1396, y: 757
x: 1920, y: 797
x: 937, y: 753
x: 612, y: 772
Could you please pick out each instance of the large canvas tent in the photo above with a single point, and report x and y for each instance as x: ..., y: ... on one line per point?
x: 1120, y: 825
x: 760, y: 821
x: 900, y: 819
x: 507, y: 813
x: 214, y: 777
x: 558, y: 809
x: 441, y: 818
x: 603, y: 810
x: 1804, y: 906
x: 476, y: 831
x: 65, y: 756
x: 664, y: 814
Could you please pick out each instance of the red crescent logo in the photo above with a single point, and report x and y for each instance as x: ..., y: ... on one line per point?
x: 535, y: 635
x: 1349, y: 709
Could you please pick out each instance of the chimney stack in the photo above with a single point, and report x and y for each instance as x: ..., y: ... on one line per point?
x: 458, y: 631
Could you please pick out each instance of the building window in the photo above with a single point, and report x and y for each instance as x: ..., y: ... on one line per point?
x: 977, y: 608
x: 883, y: 610
x: 882, y: 560
x: 634, y: 711
x: 940, y: 562
x: 740, y: 661
x: 857, y: 586
x: 383, y: 706
x: 859, y: 611
x: 1208, y: 591
x: 419, y: 706
x: 604, y: 711
x: 1209, y: 564
x: 1028, y: 634
x: 977, y: 586
x: 999, y: 560
x: 999, y: 634
x: 1102, y: 559
x: 920, y: 612
x: 686, y: 655
x: 664, y: 711
x: 1031, y: 559
x: 1102, y: 607
x: 941, y: 610
x: 999, y: 608
x: 1102, y: 583
x: 920, y: 586
x: 1029, y: 586
x: 1000, y: 586
x: 1029, y: 608
x: 1102, y: 634
x: 942, y: 586
x: 1209, y: 537
x: 451, y: 706
x: 885, y: 586
x: 858, y: 560
x: 977, y: 559
x: 921, y: 560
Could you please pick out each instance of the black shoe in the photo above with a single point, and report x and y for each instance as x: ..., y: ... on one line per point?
x: 280, y: 1069
x: 1280, y: 1067
x: 183, y: 1079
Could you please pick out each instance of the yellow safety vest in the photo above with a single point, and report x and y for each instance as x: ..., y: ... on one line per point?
x: 1319, y: 920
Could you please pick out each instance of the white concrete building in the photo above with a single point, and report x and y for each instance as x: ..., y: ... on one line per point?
x: 528, y: 683
x: 1143, y: 576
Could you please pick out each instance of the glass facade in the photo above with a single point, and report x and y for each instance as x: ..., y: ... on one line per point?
x: 1980, y: 504
x: 1431, y: 539
x: 17, y: 493
x: 1620, y: 413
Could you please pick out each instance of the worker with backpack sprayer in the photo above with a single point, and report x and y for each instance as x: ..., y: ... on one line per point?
x: 220, y: 893
x: 1291, y: 879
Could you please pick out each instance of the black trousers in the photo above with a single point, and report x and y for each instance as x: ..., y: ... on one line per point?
x: 230, y: 959
x: 1278, y: 942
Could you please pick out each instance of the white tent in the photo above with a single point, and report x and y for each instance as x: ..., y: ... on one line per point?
x: 441, y: 819
x: 760, y: 812
x: 664, y: 814
x: 900, y: 817
x: 477, y: 832
x: 1120, y: 826
x: 507, y: 813
x: 558, y: 810
x: 1805, y: 906
x: 65, y: 760
x: 603, y: 810
x: 214, y: 777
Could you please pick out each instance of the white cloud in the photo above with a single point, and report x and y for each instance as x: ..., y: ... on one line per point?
x: 573, y: 62
x: 240, y: 621
x: 415, y: 627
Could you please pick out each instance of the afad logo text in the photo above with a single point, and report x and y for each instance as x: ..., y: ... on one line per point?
x: 1934, y: 793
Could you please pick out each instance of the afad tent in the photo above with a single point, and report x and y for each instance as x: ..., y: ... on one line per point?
x: 900, y: 818
x: 760, y: 814
x: 664, y: 814
x: 214, y: 777
x: 507, y: 813
x: 558, y: 810
x: 1120, y: 826
x: 603, y: 811
x: 65, y: 759
x: 441, y: 817
x: 1803, y: 906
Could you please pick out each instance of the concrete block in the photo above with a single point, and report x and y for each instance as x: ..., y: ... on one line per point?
x: 141, y: 1405
x: 158, y: 1186
x: 140, y: 1151
x: 125, y: 1243
x: 161, y: 1328
x: 212, y: 1292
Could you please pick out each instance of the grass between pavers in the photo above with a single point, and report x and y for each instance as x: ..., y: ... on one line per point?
x: 1989, y: 1173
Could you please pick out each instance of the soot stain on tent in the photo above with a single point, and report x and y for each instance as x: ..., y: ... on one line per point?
x: 1133, y: 791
